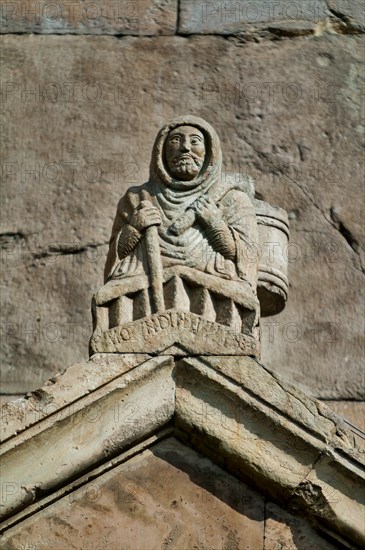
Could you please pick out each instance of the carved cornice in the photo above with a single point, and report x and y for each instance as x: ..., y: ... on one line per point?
x: 232, y: 409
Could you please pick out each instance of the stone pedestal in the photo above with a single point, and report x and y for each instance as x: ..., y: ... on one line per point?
x: 202, y: 315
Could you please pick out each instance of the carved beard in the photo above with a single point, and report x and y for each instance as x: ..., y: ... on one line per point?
x: 186, y: 168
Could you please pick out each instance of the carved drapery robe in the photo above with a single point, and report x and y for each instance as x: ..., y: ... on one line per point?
x: 182, y: 238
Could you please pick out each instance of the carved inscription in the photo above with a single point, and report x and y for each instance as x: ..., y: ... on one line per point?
x: 162, y: 329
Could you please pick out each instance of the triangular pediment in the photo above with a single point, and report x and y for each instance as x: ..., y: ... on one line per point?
x: 232, y: 410
x: 166, y: 495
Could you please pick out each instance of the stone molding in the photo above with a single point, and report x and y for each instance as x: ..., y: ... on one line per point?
x: 234, y: 410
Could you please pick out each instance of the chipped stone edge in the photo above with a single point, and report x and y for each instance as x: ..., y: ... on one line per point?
x: 63, y: 390
x: 68, y: 489
x: 294, y: 451
x: 88, y: 432
x: 287, y: 445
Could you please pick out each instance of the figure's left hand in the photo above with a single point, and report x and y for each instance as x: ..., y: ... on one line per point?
x: 207, y: 211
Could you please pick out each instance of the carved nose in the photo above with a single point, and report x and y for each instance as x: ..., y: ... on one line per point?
x: 185, y: 146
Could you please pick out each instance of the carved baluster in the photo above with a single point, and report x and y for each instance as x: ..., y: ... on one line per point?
x: 175, y: 294
x: 141, y: 304
x: 227, y: 313
x: 201, y: 303
x: 121, y: 311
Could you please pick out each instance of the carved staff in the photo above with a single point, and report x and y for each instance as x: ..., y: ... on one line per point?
x: 154, y: 261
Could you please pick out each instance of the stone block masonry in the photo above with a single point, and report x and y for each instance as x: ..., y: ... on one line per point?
x: 283, y: 92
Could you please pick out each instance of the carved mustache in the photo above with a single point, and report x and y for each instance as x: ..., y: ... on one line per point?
x: 187, y: 156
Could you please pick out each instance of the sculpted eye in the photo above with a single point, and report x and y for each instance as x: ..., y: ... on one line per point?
x: 175, y: 139
x: 195, y: 140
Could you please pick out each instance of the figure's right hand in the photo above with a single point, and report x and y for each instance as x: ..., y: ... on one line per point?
x: 144, y: 216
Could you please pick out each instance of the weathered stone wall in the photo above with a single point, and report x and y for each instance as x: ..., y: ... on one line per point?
x: 85, y: 88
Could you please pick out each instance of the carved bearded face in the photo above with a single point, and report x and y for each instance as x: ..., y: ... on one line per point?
x: 185, y: 152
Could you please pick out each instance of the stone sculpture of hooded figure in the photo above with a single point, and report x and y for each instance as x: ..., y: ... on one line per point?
x: 184, y: 240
